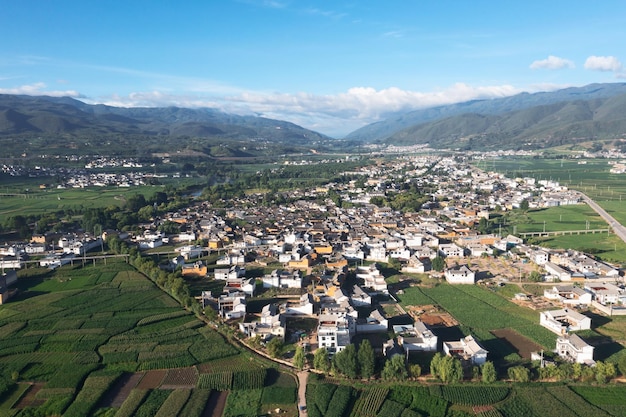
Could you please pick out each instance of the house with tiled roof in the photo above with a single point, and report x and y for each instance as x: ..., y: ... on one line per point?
x: 467, y: 349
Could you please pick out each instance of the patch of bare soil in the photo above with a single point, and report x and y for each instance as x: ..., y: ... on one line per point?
x: 216, y: 404
x: 30, y: 399
x: 116, y: 397
x: 523, y: 345
x: 152, y: 379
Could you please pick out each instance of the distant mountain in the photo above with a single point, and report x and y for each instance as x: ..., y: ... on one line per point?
x: 535, y: 127
x: 388, y: 128
x: 27, y: 116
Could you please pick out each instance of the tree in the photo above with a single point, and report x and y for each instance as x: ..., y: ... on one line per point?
x: 452, y: 370
x: 446, y: 368
x: 434, y: 363
x: 535, y: 276
x: 519, y: 374
x: 415, y: 370
x: 488, y: 372
x: 345, y: 362
x: 275, y: 347
x: 438, y: 264
x: 395, y: 369
x: 577, y: 370
x: 605, y: 371
x: 524, y: 205
x: 483, y: 225
x: 621, y: 365
x: 366, y: 359
x: 299, y: 358
x: 320, y: 360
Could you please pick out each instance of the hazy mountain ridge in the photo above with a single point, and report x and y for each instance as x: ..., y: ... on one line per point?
x: 26, y: 115
x: 387, y: 129
x: 535, y: 127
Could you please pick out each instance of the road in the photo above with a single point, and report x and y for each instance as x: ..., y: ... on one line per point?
x: 302, y: 379
x: 618, y: 228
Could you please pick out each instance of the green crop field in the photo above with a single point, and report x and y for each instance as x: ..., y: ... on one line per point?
x: 77, y: 330
x: 43, y: 201
x: 591, y: 176
x: 403, y: 400
x: 580, y: 217
x: 480, y: 311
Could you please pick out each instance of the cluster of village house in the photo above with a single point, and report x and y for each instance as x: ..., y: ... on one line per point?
x: 312, y: 232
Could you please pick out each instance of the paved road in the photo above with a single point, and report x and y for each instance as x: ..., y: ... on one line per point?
x: 618, y: 229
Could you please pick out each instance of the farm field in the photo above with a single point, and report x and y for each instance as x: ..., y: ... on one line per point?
x: 104, y: 340
x: 481, y: 311
x: 575, y: 217
x: 409, y: 400
x: 590, y: 176
x: 42, y: 201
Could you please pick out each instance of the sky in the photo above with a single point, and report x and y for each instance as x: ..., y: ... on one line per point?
x: 329, y: 66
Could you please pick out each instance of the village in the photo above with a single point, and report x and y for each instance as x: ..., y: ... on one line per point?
x: 327, y: 259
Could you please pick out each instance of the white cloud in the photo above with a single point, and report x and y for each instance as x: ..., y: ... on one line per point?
x: 336, y: 114
x: 603, y: 63
x: 552, y: 62
x: 39, y: 89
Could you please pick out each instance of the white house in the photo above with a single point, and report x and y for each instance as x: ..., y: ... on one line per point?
x: 360, y: 298
x: 372, y: 278
x: 467, y: 349
x: 416, y: 337
x: 460, y: 275
x: 557, y: 272
x: 245, y: 285
x: 283, y: 279
x: 568, y: 294
x: 540, y: 257
x: 573, y: 348
x: 564, y: 321
x: 233, y: 305
x: 333, y: 332
x: 304, y: 306
x: 374, y: 323
x: 190, y: 251
x: 231, y: 259
x: 271, y: 324
x: 605, y: 293
x: 415, y: 266
x: 377, y: 254
x: 232, y: 272
x: 451, y: 250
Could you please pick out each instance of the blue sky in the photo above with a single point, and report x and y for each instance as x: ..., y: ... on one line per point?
x: 331, y: 66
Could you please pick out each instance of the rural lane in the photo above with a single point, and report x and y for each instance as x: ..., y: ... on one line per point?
x: 618, y: 228
x: 302, y: 379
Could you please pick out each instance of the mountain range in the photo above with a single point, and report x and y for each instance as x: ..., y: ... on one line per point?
x: 66, y: 117
x: 595, y: 111
x: 530, y: 121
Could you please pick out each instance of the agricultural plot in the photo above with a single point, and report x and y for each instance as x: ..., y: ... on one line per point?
x: 50, y: 200
x: 610, y: 399
x: 481, y: 311
x: 524, y: 400
x: 77, y: 330
x: 243, y: 403
x: 238, y: 372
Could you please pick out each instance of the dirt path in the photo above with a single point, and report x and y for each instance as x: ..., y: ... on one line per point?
x: 303, y: 376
